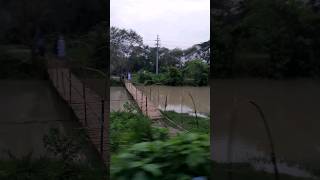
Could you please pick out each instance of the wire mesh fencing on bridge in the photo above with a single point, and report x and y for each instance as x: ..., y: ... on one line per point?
x: 87, y: 105
x: 177, y: 117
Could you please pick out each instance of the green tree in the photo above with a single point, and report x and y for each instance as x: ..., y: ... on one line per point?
x: 122, y: 44
x: 248, y: 41
x: 174, y: 77
x: 198, y: 71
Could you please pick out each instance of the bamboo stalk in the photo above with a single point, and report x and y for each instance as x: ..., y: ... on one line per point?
x: 195, y: 110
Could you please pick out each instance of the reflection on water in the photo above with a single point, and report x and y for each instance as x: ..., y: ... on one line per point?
x: 292, y: 110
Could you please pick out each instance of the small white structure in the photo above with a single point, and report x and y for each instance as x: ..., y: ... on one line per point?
x: 129, y: 76
x: 61, y: 53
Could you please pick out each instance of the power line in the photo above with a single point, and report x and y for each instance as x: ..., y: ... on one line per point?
x: 170, y: 42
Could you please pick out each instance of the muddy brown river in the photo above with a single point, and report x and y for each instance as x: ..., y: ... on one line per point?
x: 292, y: 109
x: 178, y: 98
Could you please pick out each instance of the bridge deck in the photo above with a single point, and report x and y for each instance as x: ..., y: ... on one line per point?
x: 86, y: 105
x: 145, y: 105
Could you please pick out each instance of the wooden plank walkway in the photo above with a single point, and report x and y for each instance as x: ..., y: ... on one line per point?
x: 145, y: 105
x: 86, y: 105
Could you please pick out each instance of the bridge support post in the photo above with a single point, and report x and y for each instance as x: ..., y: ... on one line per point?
x: 102, y: 127
x: 84, y: 103
x: 57, y: 78
x: 63, y: 85
x: 150, y: 93
x: 70, y: 85
x: 142, y: 101
x: 158, y: 96
x: 146, y: 105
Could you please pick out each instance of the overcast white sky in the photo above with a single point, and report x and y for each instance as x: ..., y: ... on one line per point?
x: 179, y: 23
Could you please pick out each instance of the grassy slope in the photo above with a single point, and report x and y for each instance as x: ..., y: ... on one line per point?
x: 189, y: 122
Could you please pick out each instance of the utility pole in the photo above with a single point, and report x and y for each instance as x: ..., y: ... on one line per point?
x: 157, y: 56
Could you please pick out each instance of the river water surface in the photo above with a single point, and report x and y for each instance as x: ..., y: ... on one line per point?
x: 292, y: 109
x: 178, y: 98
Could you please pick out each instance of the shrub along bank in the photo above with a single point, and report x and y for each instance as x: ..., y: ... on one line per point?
x: 193, y: 73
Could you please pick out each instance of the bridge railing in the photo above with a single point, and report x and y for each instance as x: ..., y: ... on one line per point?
x: 87, y: 105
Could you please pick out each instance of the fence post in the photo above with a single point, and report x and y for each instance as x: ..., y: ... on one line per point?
x: 195, y: 109
x: 150, y: 93
x: 57, y: 78
x: 181, y: 99
x: 146, y: 105
x: 84, y: 103
x: 70, y: 86
x: 181, y: 119
x: 158, y: 96
x: 142, y: 101
x: 165, y: 104
x: 63, y: 85
x: 102, y: 127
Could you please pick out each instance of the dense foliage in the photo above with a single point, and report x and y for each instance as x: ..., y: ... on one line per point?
x: 266, y: 38
x: 127, y: 128
x: 198, y: 71
x: 21, y: 19
x: 179, y: 158
x: 194, y: 72
x: 174, y: 76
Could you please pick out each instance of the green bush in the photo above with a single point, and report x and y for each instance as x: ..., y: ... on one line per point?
x: 181, y: 157
x: 144, y: 76
x: 194, y: 73
x: 64, y: 147
x: 149, y: 82
x: 159, y: 79
x: 174, y: 77
x: 127, y: 128
x: 198, y: 71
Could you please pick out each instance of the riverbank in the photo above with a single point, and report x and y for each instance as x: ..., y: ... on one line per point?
x: 189, y: 122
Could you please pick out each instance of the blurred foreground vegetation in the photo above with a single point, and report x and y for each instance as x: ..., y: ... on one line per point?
x: 181, y: 157
x: 141, y: 151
